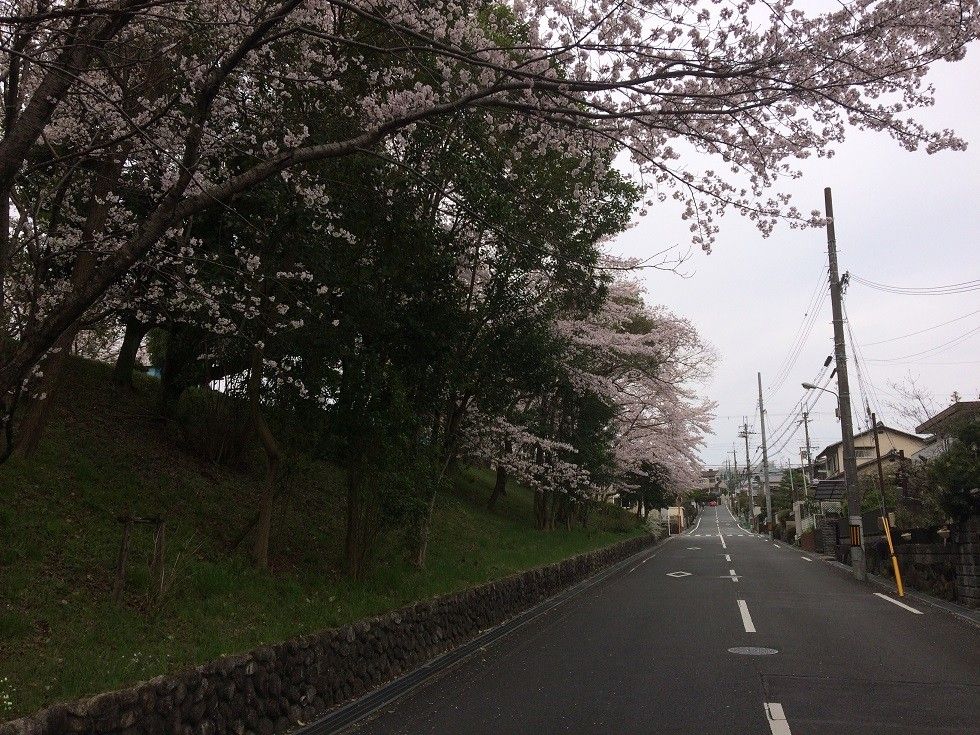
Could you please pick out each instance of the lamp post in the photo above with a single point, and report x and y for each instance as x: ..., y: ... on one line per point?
x: 811, y: 386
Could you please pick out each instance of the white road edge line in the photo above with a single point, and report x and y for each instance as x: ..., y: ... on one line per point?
x: 696, y: 525
x: 776, y: 545
x: 806, y: 558
x: 746, y: 618
x: 640, y: 564
x: 776, y: 718
x: 896, y: 602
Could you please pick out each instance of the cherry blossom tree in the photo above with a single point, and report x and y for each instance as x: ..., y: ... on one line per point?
x: 648, y: 364
x: 98, y: 90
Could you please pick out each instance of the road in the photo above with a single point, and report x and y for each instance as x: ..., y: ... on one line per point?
x: 647, y: 652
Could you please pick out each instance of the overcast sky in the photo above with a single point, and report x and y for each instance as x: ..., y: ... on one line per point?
x: 904, y: 219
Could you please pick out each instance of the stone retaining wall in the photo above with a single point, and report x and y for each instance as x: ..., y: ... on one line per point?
x: 967, y: 540
x: 271, y: 689
x: 947, y: 569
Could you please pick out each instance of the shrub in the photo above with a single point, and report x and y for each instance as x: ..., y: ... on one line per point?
x: 214, y: 426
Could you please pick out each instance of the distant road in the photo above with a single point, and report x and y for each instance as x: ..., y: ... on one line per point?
x: 646, y: 652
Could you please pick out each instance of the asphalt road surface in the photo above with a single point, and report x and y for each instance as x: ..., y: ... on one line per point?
x: 648, y: 652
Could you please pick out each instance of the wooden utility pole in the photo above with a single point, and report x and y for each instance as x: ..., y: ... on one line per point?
x: 765, y: 458
x: 881, y: 471
x: 844, y: 398
x: 806, y: 432
x: 744, y: 433
x: 735, y: 460
x: 803, y: 471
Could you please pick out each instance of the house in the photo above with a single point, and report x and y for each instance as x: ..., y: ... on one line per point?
x: 895, y: 444
x: 710, y: 483
x: 942, y: 426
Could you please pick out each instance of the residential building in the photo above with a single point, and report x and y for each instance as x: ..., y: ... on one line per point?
x: 942, y: 426
x: 894, y: 443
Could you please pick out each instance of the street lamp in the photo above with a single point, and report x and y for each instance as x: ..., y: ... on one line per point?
x: 811, y: 386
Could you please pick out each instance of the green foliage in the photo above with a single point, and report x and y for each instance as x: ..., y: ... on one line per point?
x: 955, y: 474
x: 783, y: 493
x: 105, y: 451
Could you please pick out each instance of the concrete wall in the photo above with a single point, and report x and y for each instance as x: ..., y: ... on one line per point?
x: 272, y: 688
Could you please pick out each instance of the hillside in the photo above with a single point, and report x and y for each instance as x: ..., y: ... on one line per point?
x: 106, y: 450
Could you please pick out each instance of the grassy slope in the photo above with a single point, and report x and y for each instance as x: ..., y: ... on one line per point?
x: 62, y: 637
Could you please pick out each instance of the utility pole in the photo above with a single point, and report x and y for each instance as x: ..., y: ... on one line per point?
x: 844, y: 395
x: 735, y: 459
x: 765, y: 458
x: 792, y: 482
x: 744, y: 433
x: 803, y: 471
x: 881, y: 471
x: 806, y: 431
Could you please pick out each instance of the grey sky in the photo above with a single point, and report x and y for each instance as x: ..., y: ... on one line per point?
x: 906, y: 219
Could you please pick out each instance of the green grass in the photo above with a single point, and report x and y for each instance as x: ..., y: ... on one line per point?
x: 62, y: 636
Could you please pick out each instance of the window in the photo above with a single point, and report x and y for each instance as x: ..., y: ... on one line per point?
x: 864, y: 452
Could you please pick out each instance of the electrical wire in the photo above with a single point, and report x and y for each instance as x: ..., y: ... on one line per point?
x: 922, y: 331
x: 951, y: 288
x: 814, y: 304
x: 864, y: 416
x: 932, y: 350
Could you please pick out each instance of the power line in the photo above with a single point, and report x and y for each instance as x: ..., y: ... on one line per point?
x: 951, y: 288
x: 938, y: 348
x: 814, y: 303
x: 868, y: 396
x: 922, y: 331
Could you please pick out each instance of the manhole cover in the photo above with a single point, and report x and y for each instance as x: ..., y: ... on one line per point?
x: 752, y: 651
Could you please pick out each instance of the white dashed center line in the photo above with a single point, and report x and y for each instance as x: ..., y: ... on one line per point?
x: 777, y: 719
x: 727, y: 557
x: 746, y: 618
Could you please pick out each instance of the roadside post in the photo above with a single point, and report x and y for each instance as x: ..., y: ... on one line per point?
x: 884, y: 513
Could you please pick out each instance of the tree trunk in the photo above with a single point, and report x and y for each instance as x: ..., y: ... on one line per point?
x: 51, y: 368
x: 52, y: 365
x: 273, y: 454
x: 122, y: 374
x: 361, y: 520
x: 499, y: 487
x: 424, y: 533
x: 540, y: 509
